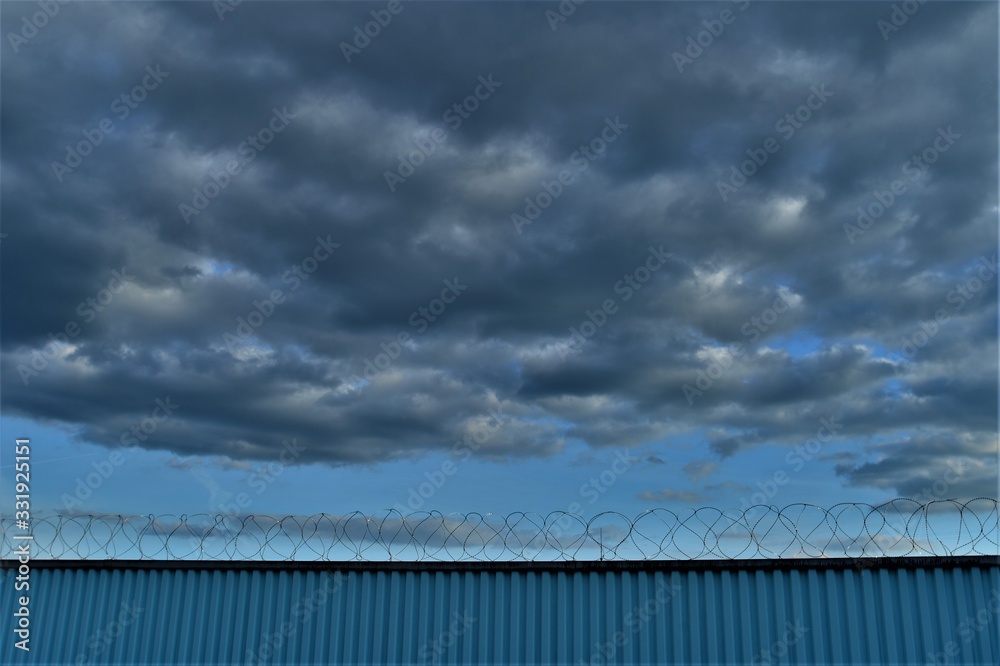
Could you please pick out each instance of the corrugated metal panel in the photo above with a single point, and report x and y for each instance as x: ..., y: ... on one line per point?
x: 718, y: 616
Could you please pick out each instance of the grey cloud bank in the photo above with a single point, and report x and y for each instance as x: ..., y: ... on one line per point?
x: 356, y: 102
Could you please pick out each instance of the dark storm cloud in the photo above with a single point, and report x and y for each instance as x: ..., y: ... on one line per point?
x: 438, y: 359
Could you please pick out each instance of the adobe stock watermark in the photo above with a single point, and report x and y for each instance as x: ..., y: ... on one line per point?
x: 31, y: 26
x: 123, y: 105
x: 22, y: 553
x: 228, y: 524
x: 752, y: 329
x: 223, y: 7
x: 967, y: 630
x: 935, y: 491
x: 605, y: 652
x: 939, y: 488
x: 592, y: 490
x: 420, y: 319
x: 88, y: 309
x: 431, y: 653
x: 787, y: 125
x: 249, y: 149
x: 630, y: 283
x: 295, y: 277
x: 485, y: 428
x: 714, y: 28
x: 581, y: 159
x: 87, y: 485
x: 776, y: 651
x: 796, y: 460
x: 914, y: 168
x: 99, y: 641
x: 602, y: 483
x: 302, y: 613
x: 259, y: 480
x: 898, y: 18
x: 372, y: 29
x: 566, y: 9
x: 453, y: 117
x: 957, y: 297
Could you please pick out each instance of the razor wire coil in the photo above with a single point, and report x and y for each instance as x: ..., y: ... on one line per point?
x: 899, y: 527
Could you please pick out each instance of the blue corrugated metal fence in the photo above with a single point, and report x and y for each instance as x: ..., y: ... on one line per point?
x: 535, y: 614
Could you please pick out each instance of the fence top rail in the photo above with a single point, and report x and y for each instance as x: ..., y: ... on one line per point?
x: 853, y: 530
x: 553, y: 567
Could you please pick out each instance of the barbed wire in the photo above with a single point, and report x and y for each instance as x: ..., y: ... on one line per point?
x: 900, y: 527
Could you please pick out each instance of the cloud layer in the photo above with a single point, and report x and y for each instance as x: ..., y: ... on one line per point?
x: 571, y: 239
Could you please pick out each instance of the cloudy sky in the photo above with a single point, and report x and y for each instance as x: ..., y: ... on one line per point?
x: 498, y: 257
